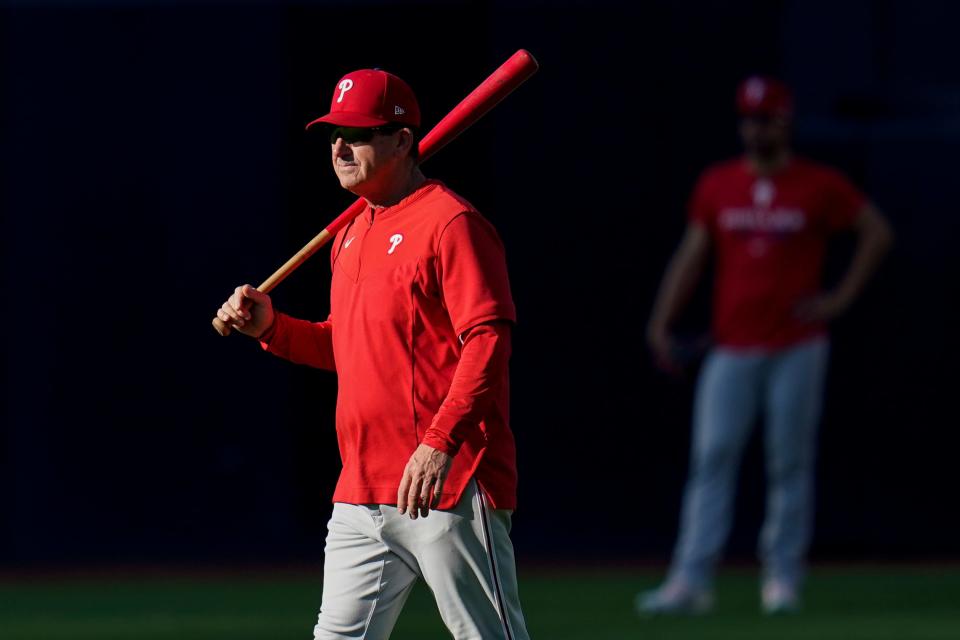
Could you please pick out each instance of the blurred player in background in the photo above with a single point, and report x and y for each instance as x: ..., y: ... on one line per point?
x: 766, y: 217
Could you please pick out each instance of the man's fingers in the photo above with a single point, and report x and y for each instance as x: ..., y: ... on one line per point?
x: 427, y: 495
x: 413, y: 497
x: 426, y: 491
x: 241, y: 306
x: 402, y: 492
x: 234, y: 303
x: 227, y: 319
x: 437, y: 491
x: 241, y: 311
x: 422, y: 481
x: 254, y: 295
x: 241, y: 303
x: 230, y: 313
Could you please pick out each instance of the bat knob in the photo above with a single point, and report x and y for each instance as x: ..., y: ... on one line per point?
x: 221, y: 327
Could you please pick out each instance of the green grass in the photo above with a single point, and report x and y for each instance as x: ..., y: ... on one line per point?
x: 882, y: 603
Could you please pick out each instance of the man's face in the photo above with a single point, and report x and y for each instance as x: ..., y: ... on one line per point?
x: 764, y: 136
x: 364, y: 159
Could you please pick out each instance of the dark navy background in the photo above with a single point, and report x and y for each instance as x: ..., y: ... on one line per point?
x: 154, y: 157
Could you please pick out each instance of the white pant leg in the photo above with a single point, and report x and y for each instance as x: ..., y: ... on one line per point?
x: 466, y: 557
x: 725, y: 408
x: 365, y: 584
x: 794, y: 400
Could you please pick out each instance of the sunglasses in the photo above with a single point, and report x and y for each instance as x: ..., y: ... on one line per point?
x: 352, y: 135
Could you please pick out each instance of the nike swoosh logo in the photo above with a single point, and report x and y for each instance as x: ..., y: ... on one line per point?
x: 347, y: 243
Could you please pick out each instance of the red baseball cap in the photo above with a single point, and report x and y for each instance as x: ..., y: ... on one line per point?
x: 763, y: 96
x: 371, y: 98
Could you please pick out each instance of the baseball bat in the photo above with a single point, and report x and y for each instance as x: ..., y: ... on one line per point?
x: 501, y: 83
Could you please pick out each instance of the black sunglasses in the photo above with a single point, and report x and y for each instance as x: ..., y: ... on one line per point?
x: 353, y: 135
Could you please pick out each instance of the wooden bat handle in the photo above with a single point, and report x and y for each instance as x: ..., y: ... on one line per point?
x: 508, y: 76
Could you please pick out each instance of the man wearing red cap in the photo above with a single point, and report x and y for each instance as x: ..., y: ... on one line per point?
x: 766, y: 216
x: 419, y: 335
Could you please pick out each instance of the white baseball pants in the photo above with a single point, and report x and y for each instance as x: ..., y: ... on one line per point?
x: 374, y: 556
x: 734, y: 388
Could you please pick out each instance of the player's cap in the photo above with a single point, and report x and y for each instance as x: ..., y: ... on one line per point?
x: 763, y: 96
x: 371, y: 98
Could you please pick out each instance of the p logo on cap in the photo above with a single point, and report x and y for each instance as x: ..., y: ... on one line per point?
x: 344, y: 86
x: 371, y: 98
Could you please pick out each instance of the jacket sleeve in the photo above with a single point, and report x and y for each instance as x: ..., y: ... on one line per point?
x: 301, y: 341
x: 482, y: 369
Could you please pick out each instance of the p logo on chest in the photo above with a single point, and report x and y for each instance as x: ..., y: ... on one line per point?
x: 395, y: 241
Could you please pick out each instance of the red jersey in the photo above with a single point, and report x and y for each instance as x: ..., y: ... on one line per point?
x: 410, y: 282
x: 770, y: 236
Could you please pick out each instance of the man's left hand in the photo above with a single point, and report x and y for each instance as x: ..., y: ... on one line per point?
x: 422, y: 481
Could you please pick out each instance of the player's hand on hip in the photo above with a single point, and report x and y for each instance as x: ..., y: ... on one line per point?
x: 248, y: 311
x: 422, y: 481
